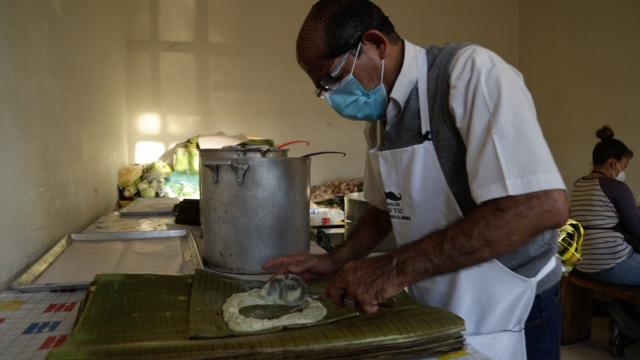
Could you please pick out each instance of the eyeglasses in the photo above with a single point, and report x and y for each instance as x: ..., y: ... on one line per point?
x: 330, y: 82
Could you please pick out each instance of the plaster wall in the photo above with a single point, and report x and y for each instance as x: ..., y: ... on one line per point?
x: 203, y: 66
x: 62, y: 121
x: 579, y: 58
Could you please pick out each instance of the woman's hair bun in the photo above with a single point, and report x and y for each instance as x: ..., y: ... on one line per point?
x: 605, y: 133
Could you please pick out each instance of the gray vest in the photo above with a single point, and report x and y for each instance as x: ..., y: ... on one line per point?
x: 405, y: 130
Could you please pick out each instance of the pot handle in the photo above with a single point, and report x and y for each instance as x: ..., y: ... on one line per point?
x: 239, y: 170
x: 324, y: 152
x: 284, y: 145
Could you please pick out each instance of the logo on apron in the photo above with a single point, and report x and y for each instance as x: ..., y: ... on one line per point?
x: 396, y: 211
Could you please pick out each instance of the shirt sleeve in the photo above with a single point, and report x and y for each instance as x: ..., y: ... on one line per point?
x: 622, y: 198
x: 506, y: 150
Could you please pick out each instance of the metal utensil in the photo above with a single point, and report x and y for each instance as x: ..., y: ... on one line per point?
x: 323, y: 153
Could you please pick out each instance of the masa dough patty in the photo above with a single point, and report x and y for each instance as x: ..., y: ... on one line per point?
x: 312, y: 311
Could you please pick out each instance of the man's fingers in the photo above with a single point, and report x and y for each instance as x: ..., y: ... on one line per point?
x: 300, y: 266
x: 349, y: 303
x: 335, y: 293
x: 308, y: 275
x: 282, y: 261
x: 281, y: 271
x: 277, y: 262
x: 305, y: 275
x: 369, y: 308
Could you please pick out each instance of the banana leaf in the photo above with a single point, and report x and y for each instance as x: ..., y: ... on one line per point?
x: 148, y: 317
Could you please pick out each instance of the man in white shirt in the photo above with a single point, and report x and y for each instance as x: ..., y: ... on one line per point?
x: 475, y: 222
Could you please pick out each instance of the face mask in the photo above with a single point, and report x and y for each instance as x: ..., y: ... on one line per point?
x: 620, y: 176
x: 351, y: 100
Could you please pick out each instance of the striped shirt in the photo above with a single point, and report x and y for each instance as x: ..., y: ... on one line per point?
x: 603, y: 247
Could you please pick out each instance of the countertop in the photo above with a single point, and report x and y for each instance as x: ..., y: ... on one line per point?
x: 31, y: 324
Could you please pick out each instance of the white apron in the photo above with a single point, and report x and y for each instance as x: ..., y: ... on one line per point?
x: 494, y: 301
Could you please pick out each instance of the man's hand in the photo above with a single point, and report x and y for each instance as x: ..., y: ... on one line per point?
x: 371, y: 229
x: 307, y: 266
x: 365, y: 283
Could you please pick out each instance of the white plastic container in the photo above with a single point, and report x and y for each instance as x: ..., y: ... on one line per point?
x: 326, y: 216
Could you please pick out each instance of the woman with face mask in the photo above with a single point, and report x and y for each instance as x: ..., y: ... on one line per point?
x: 606, y: 208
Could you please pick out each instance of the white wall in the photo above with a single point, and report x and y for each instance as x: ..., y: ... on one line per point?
x: 203, y: 66
x: 62, y: 121
x: 580, y: 61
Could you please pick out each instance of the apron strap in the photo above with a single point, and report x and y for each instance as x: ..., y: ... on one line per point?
x: 551, y: 264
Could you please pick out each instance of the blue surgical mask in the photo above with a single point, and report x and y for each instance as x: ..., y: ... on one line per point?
x: 351, y: 100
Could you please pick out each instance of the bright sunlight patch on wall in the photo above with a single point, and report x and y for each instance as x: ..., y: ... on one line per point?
x: 148, y: 151
x: 149, y: 124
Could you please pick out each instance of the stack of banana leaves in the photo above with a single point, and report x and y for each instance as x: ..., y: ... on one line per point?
x: 127, y: 316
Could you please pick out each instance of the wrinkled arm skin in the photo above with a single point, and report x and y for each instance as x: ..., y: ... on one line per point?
x: 495, y: 228
x: 492, y: 229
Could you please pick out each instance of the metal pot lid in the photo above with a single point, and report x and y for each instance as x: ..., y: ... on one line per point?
x: 237, y: 151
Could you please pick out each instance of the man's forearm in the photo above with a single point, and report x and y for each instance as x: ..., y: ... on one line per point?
x: 369, y: 232
x: 493, y: 229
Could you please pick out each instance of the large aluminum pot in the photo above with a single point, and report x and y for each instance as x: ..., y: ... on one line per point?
x: 253, y: 209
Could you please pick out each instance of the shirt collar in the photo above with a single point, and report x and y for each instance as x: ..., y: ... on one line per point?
x: 408, y: 76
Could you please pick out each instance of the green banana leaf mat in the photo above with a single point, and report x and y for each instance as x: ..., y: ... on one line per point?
x: 134, y: 316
